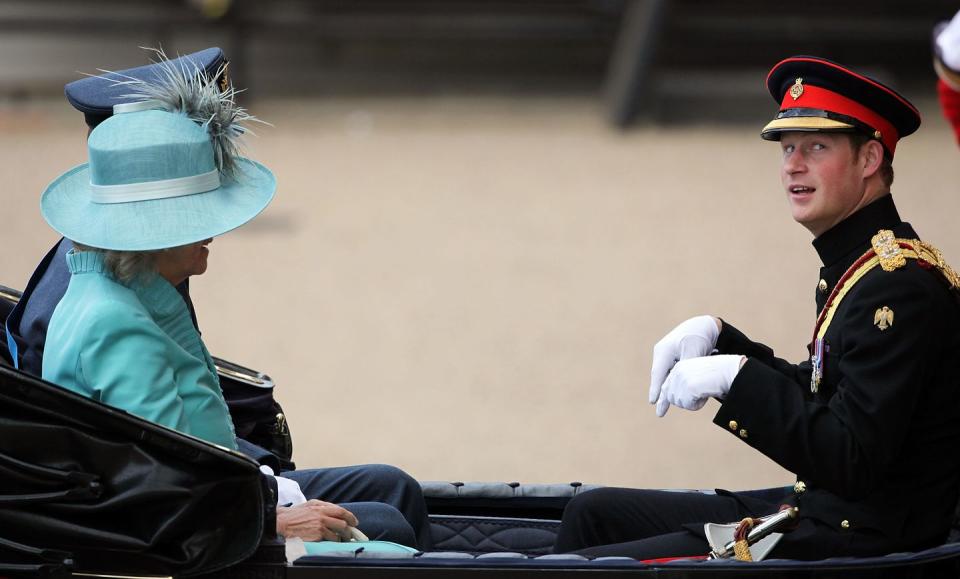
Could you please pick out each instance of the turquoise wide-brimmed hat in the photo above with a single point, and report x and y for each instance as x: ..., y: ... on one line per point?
x: 161, y: 175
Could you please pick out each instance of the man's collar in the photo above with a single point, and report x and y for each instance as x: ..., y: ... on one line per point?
x: 856, y: 230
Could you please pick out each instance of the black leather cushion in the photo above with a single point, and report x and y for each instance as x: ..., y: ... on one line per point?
x: 482, y: 517
x: 491, y: 534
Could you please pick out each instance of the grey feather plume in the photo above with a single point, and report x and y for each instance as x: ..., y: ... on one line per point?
x: 185, y: 87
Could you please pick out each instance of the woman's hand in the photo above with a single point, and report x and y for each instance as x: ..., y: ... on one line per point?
x: 315, y: 521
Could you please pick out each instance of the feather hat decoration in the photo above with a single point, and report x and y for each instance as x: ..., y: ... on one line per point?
x: 163, y: 166
x: 209, y: 100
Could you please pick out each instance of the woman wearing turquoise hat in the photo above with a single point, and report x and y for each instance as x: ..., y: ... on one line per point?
x: 163, y: 179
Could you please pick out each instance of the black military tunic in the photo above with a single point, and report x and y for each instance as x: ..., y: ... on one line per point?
x: 876, y: 448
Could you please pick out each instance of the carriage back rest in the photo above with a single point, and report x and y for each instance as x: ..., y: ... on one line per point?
x: 489, y: 517
x: 121, y: 494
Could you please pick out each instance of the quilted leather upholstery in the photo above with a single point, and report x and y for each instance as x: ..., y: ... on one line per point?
x: 493, y: 534
x: 503, y: 517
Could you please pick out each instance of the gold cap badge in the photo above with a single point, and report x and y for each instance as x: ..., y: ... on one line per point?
x: 797, y: 89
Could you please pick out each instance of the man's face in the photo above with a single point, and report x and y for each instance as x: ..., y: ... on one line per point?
x: 823, y: 178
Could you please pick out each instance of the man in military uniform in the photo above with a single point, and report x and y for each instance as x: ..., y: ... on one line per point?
x: 870, y: 423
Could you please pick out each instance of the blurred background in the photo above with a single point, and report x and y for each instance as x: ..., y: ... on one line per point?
x: 488, y: 211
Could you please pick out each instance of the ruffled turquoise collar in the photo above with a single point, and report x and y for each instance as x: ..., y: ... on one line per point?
x: 163, y: 302
x: 155, y: 293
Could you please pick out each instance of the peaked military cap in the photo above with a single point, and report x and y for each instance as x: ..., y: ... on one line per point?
x: 95, y: 96
x: 816, y: 94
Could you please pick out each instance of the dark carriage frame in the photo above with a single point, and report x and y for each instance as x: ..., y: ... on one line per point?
x: 480, y: 529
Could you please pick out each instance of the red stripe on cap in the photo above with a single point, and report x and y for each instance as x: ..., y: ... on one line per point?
x: 815, y: 97
x: 874, y: 83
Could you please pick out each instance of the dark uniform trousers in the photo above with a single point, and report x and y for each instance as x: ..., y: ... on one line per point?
x: 874, y: 448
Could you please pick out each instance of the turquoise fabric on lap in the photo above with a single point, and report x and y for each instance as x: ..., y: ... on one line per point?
x: 359, y: 549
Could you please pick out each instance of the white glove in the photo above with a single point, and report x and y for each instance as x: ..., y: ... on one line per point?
x: 695, y: 380
x: 948, y: 43
x: 693, y: 338
x: 288, y: 490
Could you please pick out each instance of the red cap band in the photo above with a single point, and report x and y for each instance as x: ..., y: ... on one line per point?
x: 815, y: 97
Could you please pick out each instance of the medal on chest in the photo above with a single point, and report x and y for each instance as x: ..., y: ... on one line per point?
x: 817, y: 359
x: 818, y: 346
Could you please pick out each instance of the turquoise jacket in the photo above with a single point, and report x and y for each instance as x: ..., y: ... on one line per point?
x: 134, y: 347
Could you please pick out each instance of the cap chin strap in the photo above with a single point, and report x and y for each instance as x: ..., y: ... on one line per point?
x: 149, y: 190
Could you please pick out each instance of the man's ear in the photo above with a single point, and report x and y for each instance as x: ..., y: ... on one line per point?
x: 871, y: 157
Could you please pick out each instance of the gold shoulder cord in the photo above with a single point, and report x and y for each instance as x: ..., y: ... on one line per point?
x: 891, y: 253
x: 933, y: 256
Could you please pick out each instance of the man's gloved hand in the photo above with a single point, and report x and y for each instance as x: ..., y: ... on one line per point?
x: 693, y: 338
x: 694, y: 380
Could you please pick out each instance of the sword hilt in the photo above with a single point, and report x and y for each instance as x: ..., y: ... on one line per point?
x: 771, y: 524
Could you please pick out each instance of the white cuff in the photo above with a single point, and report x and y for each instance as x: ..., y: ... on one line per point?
x: 288, y: 490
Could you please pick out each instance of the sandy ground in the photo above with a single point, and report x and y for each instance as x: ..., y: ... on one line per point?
x: 471, y: 288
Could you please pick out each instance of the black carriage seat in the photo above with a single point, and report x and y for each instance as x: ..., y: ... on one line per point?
x: 509, y: 528
x: 478, y: 517
x: 482, y: 517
